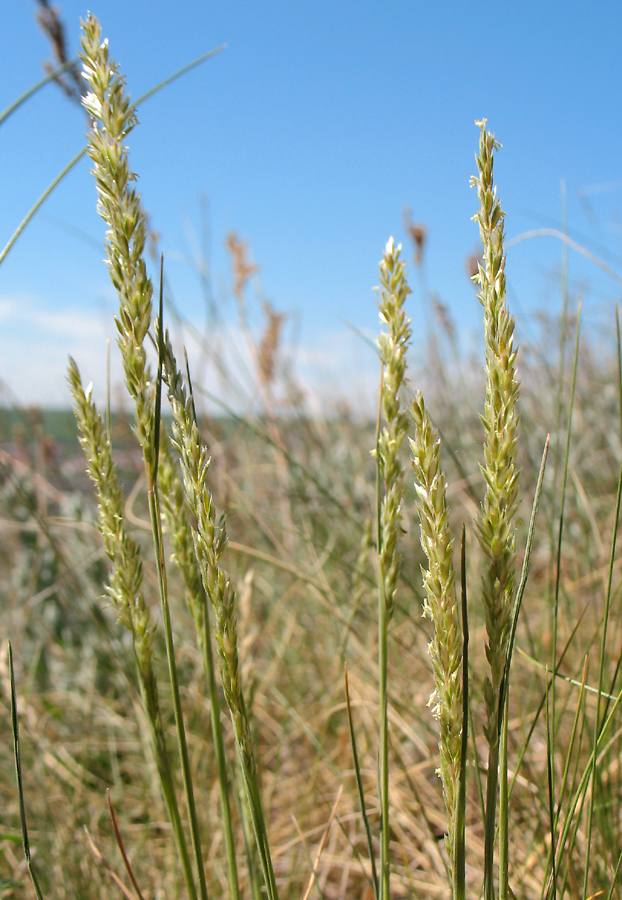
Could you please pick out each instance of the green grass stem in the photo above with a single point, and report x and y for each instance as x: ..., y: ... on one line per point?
x: 392, y: 343
x: 39, y: 203
x: 504, y: 690
x: 18, y: 777
x: 563, y: 489
x: 151, y: 471
x: 361, y: 792
x: 176, y: 516
x: 125, y: 590
x: 459, y: 883
x: 210, y: 540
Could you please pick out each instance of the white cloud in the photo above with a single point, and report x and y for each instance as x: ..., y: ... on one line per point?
x: 35, y: 343
x: 7, y: 308
x: 342, y: 367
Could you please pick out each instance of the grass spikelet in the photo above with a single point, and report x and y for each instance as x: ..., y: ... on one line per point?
x: 496, y: 520
x: 112, y: 119
x: 175, y: 513
x: 125, y: 586
x: 210, y: 541
x: 392, y: 343
x: 440, y: 606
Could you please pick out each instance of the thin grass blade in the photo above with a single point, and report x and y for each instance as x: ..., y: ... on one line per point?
x: 18, y: 777
x: 51, y: 76
x: 460, y: 835
x: 76, y: 159
x: 504, y: 814
x: 359, y: 787
x: 121, y: 846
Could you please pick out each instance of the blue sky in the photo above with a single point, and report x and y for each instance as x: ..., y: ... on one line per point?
x: 308, y: 136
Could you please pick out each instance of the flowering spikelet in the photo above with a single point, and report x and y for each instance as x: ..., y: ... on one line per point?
x: 392, y: 344
x: 112, y: 119
x: 175, y: 511
x: 439, y: 605
x: 125, y: 584
x: 496, y: 521
x: 210, y: 541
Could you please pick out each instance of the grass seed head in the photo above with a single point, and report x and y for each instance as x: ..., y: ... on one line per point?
x: 392, y: 344
x: 440, y: 604
x: 497, y: 517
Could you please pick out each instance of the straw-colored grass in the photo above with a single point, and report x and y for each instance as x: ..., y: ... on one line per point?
x: 245, y: 560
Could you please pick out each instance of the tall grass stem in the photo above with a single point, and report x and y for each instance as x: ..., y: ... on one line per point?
x: 392, y: 343
x: 496, y: 521
x: 18, y: 777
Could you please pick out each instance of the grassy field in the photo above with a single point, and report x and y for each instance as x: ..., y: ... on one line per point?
x: 208, y: 684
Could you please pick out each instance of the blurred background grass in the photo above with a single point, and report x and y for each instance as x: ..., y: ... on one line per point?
x: 298, y: 493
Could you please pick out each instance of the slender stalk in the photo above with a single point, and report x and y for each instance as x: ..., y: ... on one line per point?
x: 210, y: 540
x: 183, y: 71
x: 554, y: 574
x: 39, y: 203
x: 392, y: 344
x: 496, y: 521
x: 551, y: 791
x: 125, y: 590
x: 562, y: 506
x: 180, y: 730
x: 27, y: 94
x: 18, y: 777
x: 504, y: 690
x: 176, y: 517
x: 383, y: 712
x: 492, y: 783
x: 156, y: 528
x: 460, y: 874
x: 119, y: 205
x: 359, y: 786
x: 383, y: 748
x: 121, y: 846
x: 550, y: 886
